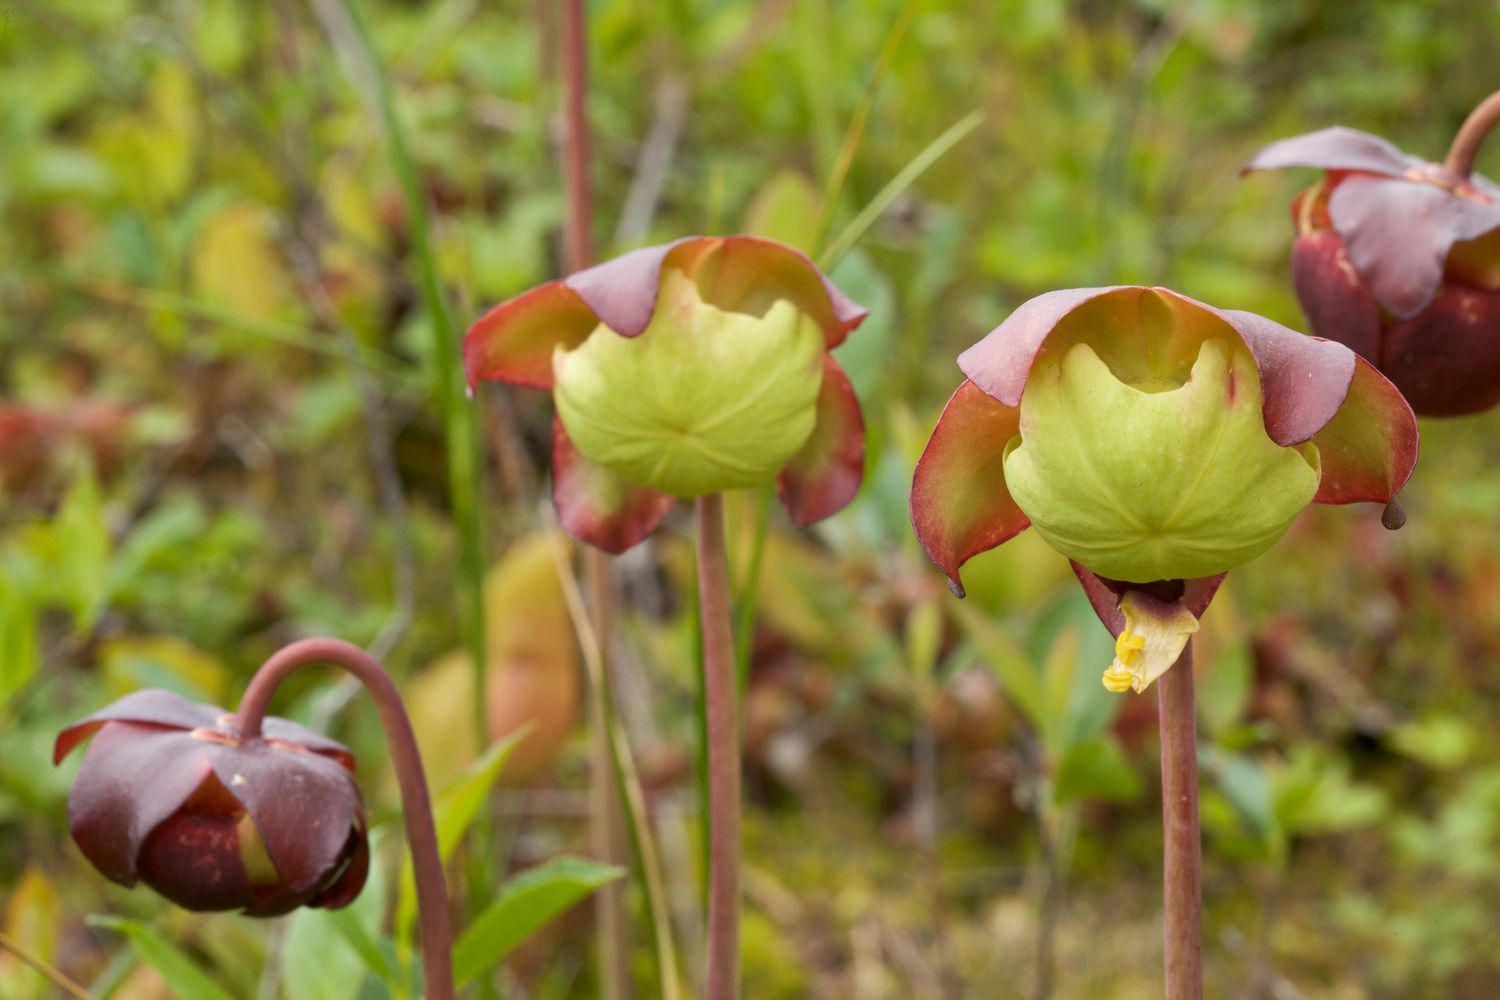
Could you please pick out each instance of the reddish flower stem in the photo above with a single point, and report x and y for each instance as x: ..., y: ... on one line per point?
x: 723, y: 754
x: 579, y: 241
x: 421, y: 833
x: 1471, y: 135
x: 1183, y: 851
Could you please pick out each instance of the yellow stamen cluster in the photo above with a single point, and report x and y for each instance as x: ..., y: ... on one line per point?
x: 1119, y: 677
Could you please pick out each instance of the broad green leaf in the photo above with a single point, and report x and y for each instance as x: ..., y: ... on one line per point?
x: 1440, y: 741
x: 1095, y: 769
x: 82, y: 549
x: 785, y: 209
x: 18, y: 647
x: 1003, y: 655
x: 1246, y: 786
x: 328, y: 953
x: 1224, y: 688
x: 524, y: 904
x: 185, y: 979
x: 454, y: 813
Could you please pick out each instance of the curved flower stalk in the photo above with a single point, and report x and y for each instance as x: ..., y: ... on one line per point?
x: 1399, y: 259
x: 680, y: 371
x: 243, y: 812
x: 1157, y: 442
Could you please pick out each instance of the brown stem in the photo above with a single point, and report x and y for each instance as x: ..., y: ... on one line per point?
x: 578, y: 238
x: 1183, y: 852
x: 1471, y: 134
x: 606, y: 833
x: 43, y: 968
x: 723, y: 754
x: 421, y: 834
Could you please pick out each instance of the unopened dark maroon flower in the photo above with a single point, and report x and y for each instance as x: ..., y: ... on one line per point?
x: 170, y: 795
x: 1399, y: 259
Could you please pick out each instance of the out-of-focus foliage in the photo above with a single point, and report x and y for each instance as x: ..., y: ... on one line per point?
x: 215, y: 435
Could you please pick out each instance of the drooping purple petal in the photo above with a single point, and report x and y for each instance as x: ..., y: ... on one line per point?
x: 1105, y: 595
x: 596, y: 506
x: 1303, y: 380
x: 279, y: 730
x: 1337, y: 302
x: 132, y: 778
x: 960, y: 505
x: 1336, y: 148
x: 151, y: 707
x: 825, y: 474
x: 1398, y: 233
x: 303, y: 805
x: 622, y: 292
x: 1446, y: 360
x: 1000, y: 363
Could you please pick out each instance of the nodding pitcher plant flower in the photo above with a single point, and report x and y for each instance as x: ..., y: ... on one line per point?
x: 170, y: 795
x: 682, y: 370
x: 1156, y: 442
x: 1399, y: 259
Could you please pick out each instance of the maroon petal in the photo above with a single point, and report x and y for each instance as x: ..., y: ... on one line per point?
x: 514, y: 341
x: 1369, y: 449
x: 1105, y: 595
x: 1446, y: 360
x: 825, y: 474
x: 283, y: 731
x: 1398, y: 234
x: 596, y: 506
x: 194, y: 857
x: 303, y: 805
x: 622, y: 292
x: 151, y: 707
x: 347, y: 885
x: 132, y: 778
x: 1335, y: 148
x: 1337, y: 302
x: 1303, y: 380
x: 960, y: 505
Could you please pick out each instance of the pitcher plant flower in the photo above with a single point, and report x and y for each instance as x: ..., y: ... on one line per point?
x: 221, y: 811
x: 1399, y: 259
x: 170, y: 795
x: 1157, y: 442
x: 680, y: 371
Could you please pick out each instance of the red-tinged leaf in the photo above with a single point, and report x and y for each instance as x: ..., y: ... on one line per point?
x: 132, y: 778
x: 303, y: 805
x: 1105, y: 595
x: 1336, y: 148
x: 1337, y: 302
x: 1369, y: 449
x: 1303, y: 380
x: 960, y: 505
x: 1446, y: 360
x: 514, y: 341
x: 596, y: 506
x: 1398, y: 233
x: 151, y: 707
x: 825, y: 474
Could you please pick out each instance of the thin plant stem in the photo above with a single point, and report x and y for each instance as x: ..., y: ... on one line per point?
x: 416, y: 803
x: 579, y: 234
x: 1471, y: 133
x: 722, y: 726
x: 1183, y: 850
x: 627, y: 778
x: 44, y: 968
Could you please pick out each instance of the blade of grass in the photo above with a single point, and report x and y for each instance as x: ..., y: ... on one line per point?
x: 627, y: 779
x: 898, y: 184
x: 351, y: 40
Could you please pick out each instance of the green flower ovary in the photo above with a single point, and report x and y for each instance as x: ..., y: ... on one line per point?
x: 1155, y: 481
x: 703, y: 400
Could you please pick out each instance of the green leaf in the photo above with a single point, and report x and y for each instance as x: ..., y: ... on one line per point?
x: 185, y: 979
x: 454, y: 813
x: 524, y: 904
x: 18, y: 650
x: 1443, y: 742
x: 328, y: 952
x: 1003, y: 655
x: 82, y: 551
x: 1095, y: 769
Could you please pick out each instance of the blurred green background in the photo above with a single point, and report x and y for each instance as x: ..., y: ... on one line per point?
x: 217, y: 434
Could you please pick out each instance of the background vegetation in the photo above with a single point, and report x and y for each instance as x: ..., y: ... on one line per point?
x: 217, y: 433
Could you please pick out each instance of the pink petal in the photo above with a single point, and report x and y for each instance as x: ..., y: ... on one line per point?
x: 1446, y: 360
x: 513, y: 342
x: 1335, y: 148
x: 622, y: 292
x: 1369, y: 449
x: 1001, y: 362
x: 1104, y: 595
x: 825, y: 474
x: 1337, y: 302
x: 1398, y: 234
x: 151, y: 707
x: 960, y: 505
x: 1303, y: 380
x: 303, y: 805
x: 596, y: 506
x: 132, y: 778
